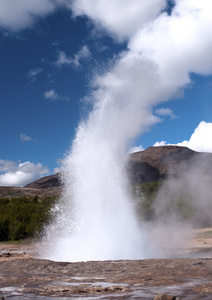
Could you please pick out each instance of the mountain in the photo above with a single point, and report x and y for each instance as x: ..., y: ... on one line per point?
x: 157, y: 163
x: 43, y: 187
x: 152, y: 164
x: 46, y: 182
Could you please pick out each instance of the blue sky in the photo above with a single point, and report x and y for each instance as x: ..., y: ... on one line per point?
x: 50, y: 54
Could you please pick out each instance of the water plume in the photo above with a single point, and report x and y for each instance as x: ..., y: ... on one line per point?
x: 95, y: 219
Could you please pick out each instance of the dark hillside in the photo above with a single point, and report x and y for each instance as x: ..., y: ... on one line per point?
x: 156, y: 163
x: 45, y: 182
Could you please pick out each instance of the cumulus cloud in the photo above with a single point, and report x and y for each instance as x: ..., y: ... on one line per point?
x: 75, y: 61
x: 52, y: 95
x: 17, y: 15
x: 179, y: 43
x: 164, y: 112
x: 26, y: 138
x: 161, y: 143
x: 20, y: 174
x: 200, y: 139
x: 6, y: 165
x: 120, y: 18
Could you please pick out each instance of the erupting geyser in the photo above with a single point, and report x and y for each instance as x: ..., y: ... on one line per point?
x: 95, y: 218
x: 166, y: 41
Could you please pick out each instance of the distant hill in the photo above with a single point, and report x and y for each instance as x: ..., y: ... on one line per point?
x: 156, y: 163
x: 152, y: 164
x: 46, y: 182
x: 45, y: 186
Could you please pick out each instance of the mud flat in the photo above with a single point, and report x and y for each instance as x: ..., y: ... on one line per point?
x: 23, y: 276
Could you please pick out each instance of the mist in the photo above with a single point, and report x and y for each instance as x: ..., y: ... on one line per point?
x: 181, y: 205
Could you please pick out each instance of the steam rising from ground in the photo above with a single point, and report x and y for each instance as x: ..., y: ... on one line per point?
x: 95, y: 218
x: 182, y: 203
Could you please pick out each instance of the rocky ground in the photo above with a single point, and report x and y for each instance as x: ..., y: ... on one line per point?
x: 23, y: 276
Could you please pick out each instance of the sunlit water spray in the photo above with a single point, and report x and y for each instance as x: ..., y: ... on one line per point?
x: 94, y: 219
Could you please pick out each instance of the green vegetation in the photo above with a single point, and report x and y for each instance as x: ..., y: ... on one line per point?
x: 145, y: 194
x: 23, y: 217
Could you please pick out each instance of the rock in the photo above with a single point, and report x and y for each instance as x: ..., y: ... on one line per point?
x: 124, y: 279
x: 5, y: 253
x: 165, y: 297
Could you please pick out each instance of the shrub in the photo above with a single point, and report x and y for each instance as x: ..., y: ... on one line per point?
x: 23, y: 217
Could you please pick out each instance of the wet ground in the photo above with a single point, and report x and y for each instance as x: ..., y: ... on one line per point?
x: 23, y: 276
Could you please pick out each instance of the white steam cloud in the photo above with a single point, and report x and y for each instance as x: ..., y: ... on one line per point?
x: 182, y: 203
x: 136, y: 149
x: 95, y: 218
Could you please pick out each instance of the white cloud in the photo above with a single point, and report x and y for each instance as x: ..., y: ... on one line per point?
x: 81, y: 55
x: 179, y: 43
x: 84, y: 52
x: 16, y: 15
x: 25, y: 138
x: 163, y: 112
x: 136, y: 149
x: 200, y: 140
x: 51, y: 94
x: 13, y: 174
x: 63, y: 59
x: 6, y: 165
x: 121, y: 18
x: 32, y: 74
x: 161, y: 143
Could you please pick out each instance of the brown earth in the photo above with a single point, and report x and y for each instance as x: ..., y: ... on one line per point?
x: 23, y: 276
